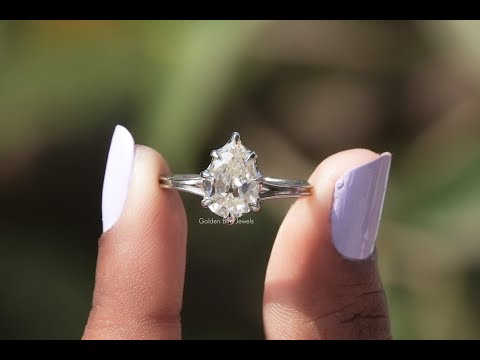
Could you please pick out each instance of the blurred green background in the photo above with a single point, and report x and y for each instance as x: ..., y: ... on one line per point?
x: 297, y: 91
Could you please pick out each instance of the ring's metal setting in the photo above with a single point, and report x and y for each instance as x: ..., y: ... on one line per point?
x: 232, y: 185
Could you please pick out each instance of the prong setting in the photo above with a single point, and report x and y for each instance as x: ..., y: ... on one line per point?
x: 235, y: 138
x: 255, y: 207
x: 229, y: 219
x: 252, y: 156
x: 206, y: 203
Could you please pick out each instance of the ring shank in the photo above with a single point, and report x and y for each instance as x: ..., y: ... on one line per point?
x: 188, y: 183
x: 282, y: 188
x: 271, y: 188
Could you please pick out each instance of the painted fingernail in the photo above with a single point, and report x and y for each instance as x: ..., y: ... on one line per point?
x: 357, y: 208
x: 117, y: 176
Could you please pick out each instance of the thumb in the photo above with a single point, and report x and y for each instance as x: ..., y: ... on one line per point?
x: 141, y: 256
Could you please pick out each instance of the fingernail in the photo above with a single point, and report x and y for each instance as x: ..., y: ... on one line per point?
x: 117, y: 176
x: 357, y: 208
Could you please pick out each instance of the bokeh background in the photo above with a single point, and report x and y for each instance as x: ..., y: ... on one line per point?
x: 297, y: 91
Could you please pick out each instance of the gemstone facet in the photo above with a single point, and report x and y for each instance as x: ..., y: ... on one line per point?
x: 232, y: 181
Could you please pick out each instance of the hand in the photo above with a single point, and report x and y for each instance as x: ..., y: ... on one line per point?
x: 312, y: 290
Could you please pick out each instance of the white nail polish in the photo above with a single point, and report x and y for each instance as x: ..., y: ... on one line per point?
x: 357, y: 208
x: 117, y: 176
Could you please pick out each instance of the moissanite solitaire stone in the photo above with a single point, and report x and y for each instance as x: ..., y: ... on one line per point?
x: 232, y: 181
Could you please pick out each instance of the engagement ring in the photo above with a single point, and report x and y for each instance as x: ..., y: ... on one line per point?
x: 232, y: 185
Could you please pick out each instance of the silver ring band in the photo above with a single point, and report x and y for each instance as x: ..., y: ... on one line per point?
x: 270, y: 188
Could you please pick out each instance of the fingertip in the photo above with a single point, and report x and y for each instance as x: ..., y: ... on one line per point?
x: 150, y: 210
x: 144, y: 153
x: 141, y: 260
x: 336, y: 165
x: 147, y: 198
x: 308, y: 223
x: 310, y: 273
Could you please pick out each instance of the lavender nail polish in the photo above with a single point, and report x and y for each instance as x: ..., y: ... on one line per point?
x: 117, y: 176
x: 357, y: 208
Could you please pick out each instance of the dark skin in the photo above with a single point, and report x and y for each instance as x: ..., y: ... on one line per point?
x: 311, y: 291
